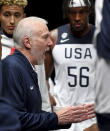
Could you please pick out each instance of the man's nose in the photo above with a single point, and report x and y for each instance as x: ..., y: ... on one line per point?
x: 77, y: 18
x: 50, y: 42
x: 12, y: 20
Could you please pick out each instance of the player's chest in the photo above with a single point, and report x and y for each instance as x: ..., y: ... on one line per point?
x: 70, y: 53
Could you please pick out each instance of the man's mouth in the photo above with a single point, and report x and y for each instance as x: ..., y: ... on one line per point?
x: 11, y: 27
x: 47, y: 49
x: 77, y: 25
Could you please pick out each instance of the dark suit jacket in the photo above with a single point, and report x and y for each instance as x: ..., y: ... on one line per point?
x: 9, y: 120
x: 8, y: 117
x: 20, y: 86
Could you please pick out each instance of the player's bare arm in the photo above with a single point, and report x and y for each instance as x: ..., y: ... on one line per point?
x: 0, y: 48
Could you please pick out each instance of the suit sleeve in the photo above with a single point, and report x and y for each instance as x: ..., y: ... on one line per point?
x: 8, y: 117
x: 103, y: 38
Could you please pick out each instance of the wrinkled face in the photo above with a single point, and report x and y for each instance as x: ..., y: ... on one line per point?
x: 41, y: 43
x: 78, y: 17
x: 9, y: 17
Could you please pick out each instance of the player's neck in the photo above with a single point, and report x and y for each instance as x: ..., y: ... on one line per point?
x: 8, y: 35
x: 82, y: 32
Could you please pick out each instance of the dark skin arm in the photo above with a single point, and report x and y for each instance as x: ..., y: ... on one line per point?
x: 0, y: 48
x: 94, y: 127
x: 49, y: 63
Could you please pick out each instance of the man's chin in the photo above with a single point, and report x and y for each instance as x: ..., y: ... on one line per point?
x: 10, y: 35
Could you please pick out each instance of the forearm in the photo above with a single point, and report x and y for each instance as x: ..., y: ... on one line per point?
x: 38, y: 121
x: 41, y: 121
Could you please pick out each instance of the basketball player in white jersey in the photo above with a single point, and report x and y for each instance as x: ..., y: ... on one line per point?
x: 102, y: 40
x: 73, y: 56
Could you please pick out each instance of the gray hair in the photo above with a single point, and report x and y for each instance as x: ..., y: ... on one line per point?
x: 25, y: 27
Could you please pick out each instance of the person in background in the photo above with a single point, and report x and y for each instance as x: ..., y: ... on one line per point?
x: 102, y: 44
x: 20, y: 86
x: 73, y: 56
x: 11, y: 12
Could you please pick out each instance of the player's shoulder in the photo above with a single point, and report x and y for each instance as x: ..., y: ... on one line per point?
x: 54, y: 36
x: 54, y: 32
x: 59, y: 30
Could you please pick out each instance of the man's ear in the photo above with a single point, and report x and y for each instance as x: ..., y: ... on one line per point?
x: 27, y: 43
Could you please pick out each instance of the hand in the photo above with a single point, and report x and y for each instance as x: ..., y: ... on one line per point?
x: 74, y: 114
x: 90, y: 110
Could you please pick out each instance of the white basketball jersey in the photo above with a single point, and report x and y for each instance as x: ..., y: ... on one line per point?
x: 74, y: 69
x: 7, y: 43
x: 74, y: 61
x: 46, y: 106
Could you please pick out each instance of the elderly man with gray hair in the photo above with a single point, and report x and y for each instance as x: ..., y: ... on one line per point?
x: 11, y: 12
